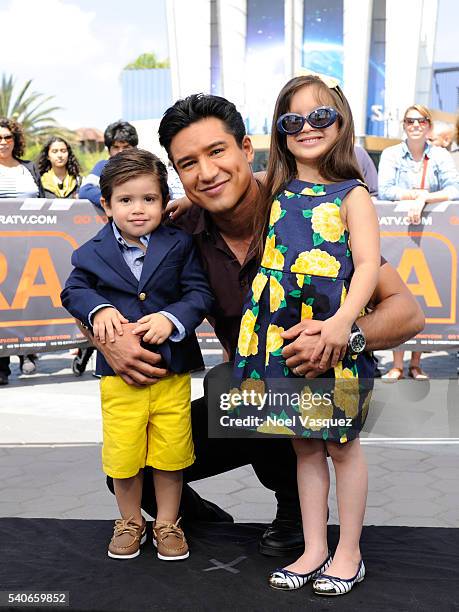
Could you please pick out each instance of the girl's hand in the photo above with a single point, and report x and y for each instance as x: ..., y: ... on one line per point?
x: 105, y: 322
x: 156, y: 328
x: 176, y: 208
x: 333, y: 342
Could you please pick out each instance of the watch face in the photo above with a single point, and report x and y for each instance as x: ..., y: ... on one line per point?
x: 357, y: 342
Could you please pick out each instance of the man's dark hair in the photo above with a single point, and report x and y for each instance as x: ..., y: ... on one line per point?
x: 120, y: 131
x: 194, y: 108
x: 129, y: 164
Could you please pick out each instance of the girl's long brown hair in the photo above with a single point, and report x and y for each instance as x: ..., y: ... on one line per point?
x: 337, y: 164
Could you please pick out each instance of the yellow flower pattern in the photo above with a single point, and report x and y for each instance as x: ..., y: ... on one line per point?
x: 320, y: 410
x: 316, y: 262
x: 276, y: 212
x: 248, y: 339
x: 310, y: 192
x: 306, y: 311
x: 346, y: 392
x: 272, y: 257
x: 258, y: 285
x: 326, y: 221
x: 305, y: 273
x: 274, y: 341
x: 276, y: 294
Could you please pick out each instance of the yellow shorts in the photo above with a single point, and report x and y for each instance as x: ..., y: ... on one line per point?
x: 146, y: 426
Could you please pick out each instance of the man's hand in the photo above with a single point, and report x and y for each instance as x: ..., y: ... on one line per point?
x: 297, y: 354
x: 105, y: 322
x: 155, y: 328
x: 136, y: 365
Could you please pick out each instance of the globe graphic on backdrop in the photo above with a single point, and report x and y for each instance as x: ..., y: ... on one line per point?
x: 325, y: 58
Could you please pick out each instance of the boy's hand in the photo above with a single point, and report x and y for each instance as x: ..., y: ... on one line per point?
x: 105, y: 322
x: 156, y: 328
x: 334, y: 338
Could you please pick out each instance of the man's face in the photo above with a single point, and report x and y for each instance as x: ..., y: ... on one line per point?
x: 118, y: 146
x: 214, y: 170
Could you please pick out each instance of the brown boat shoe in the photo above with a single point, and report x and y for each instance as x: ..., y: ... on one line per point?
x: 127, y: 538
x: 170, y: 541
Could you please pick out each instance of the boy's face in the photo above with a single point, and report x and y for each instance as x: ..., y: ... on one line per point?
x: 136, y: 207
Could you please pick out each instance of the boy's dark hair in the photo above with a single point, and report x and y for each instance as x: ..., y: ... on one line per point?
x: 129, y: 164
x: 120, y: 131
x: 194, y: 108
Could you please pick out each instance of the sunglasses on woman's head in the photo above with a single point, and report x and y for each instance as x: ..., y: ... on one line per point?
x: 412, y: 120
x: 319, y: 118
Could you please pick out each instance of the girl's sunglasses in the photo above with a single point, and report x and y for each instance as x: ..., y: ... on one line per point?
x: 292, y: 123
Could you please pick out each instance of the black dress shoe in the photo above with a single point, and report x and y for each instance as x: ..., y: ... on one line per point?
x: 193, y: 507
x: 283, y: 537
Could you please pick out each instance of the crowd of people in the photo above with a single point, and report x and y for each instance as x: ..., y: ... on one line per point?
x: 283, y: 264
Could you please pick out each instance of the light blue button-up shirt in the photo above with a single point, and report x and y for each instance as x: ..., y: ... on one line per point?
x: 134, y: 257
x: 398, y: 172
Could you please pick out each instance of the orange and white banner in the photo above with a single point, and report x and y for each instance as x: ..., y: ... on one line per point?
x: 37, y: 239
x: 426, y: 257
x: 38, y: 236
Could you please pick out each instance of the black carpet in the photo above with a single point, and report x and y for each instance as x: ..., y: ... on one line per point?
x: 408, y: 568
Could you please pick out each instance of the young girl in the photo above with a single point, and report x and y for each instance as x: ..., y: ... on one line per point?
x: 59, y: 169
x: 320, y: 209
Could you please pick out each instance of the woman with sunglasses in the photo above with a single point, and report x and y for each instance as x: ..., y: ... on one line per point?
x: 18, y: 179
x: 316, y: 206
x: 416, y: 170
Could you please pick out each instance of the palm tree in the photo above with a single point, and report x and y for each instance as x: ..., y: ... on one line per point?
x: 30, y: 110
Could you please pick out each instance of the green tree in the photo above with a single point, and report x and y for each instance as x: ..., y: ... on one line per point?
x: 147, y: 61
x: 30, y: 109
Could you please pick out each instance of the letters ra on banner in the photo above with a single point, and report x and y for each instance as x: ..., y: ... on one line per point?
x: 426, y: 257
x: 37, y: 239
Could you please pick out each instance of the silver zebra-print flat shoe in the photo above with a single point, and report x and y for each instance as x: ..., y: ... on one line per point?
x: 331, y: 585
x: 289, y: 581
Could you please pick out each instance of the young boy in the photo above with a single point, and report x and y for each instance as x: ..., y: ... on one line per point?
x: 137, y: 270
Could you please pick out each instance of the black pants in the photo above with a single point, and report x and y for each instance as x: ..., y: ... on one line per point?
x: 273, y: 459
x: 5, y: 366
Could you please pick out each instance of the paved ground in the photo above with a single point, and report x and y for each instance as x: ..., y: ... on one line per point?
x: 50, y: 436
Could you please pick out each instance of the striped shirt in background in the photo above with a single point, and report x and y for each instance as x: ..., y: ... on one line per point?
x: 17, y: 182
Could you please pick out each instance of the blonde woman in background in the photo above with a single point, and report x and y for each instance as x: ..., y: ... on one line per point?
x: 418, y: 171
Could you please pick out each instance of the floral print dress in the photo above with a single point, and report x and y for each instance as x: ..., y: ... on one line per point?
x: 305, y: 273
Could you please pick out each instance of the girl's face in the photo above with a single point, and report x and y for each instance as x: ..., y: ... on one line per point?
x: 58, y: 154
x: 309, y: 145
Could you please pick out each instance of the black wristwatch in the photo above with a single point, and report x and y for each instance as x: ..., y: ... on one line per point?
x: 356, y: 342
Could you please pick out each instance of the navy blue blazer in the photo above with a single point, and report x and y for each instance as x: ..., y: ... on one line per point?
x: 172, y: 279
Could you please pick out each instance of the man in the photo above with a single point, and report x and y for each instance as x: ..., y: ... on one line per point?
x: 205, y: 139
x: 117, y: 137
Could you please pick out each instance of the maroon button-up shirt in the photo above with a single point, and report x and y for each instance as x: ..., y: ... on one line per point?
x: 228, y: 280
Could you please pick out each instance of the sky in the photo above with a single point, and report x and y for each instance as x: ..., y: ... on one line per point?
x: 446, y: 44
x: 76, y: 49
